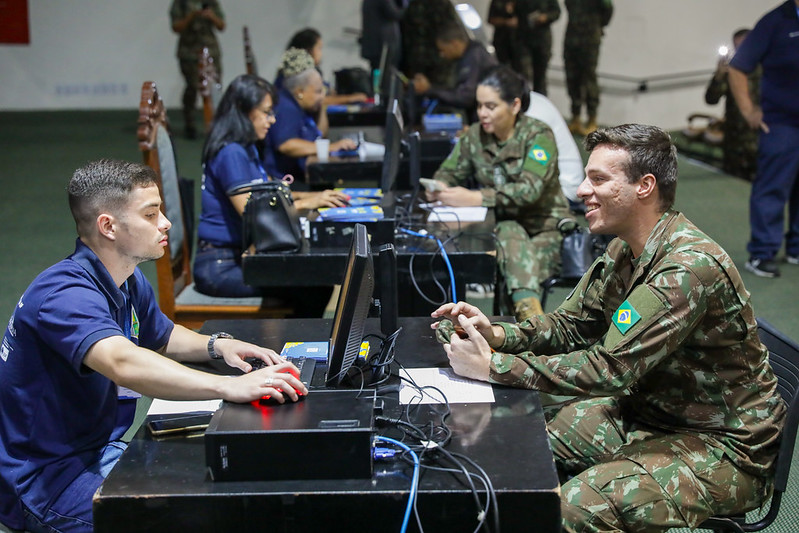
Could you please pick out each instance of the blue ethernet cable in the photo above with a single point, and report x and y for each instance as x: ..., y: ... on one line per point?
x: 414, y: 480
x: 443, y: 255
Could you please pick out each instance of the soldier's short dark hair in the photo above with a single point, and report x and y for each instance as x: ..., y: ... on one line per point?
x: 509, y: 85
x: 650, y: 151
x: 104, y: 186
x: 452, y: 32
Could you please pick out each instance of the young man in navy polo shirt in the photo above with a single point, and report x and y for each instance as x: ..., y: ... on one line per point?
x: 84, y: 336
x: 774, y: 44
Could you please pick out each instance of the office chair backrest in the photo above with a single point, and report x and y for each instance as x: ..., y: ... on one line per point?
x: 249, y: 56
x: 210, y: 86
x: 784, y: 359
x: 173, y: 269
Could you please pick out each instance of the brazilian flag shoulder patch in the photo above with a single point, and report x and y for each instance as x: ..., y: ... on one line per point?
x: 625, y: 317
x: 134, y: 323
x: 537, y: 153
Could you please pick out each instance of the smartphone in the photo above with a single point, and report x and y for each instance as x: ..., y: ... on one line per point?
x: 432, y: 185
x: 179, y: 423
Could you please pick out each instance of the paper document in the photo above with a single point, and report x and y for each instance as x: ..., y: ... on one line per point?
x: 166, y: 407
x: 456, y: 388
x: 445, y: 213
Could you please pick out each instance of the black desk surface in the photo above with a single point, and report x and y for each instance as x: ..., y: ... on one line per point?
x: 164, y: 486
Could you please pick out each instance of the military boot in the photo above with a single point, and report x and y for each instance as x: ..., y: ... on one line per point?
x: 527, y: 308
x: 575, y: 126
x: 590, y: 126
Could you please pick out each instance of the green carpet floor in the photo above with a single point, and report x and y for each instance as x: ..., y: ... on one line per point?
x: 40, y: 150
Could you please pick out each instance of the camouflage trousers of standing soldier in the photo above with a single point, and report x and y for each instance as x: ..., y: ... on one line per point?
x: 525, y: 260
x: 580, y: 62
x: 629, y: 477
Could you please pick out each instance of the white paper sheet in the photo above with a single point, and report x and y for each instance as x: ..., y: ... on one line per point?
x: 457, y: 214
x: 165, y: 407
x: 457, y: 389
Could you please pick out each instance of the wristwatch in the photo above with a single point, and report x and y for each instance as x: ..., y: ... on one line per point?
x: 212, y: 340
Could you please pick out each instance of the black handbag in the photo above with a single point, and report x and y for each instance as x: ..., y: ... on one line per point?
x: 579, y: 249
x: 270, y: 220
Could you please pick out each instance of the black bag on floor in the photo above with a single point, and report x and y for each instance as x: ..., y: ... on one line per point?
x: 270, y: 220
x: 579, y: 249
x: 353, y: 80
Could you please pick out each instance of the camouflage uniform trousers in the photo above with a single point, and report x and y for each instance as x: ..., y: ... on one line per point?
x: 580, y: 61
x: 629, y: 477
x: 535, y: 56
x: 525, y: 260
x: 190, y: 68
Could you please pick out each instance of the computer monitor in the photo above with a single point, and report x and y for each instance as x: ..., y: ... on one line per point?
x: 352, y: 308
x: 380, y: 76
x: 393, y: 142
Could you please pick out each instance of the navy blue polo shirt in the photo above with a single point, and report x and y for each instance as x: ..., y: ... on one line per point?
x: 56, y: 412
x: 774, y: 44
x: 234, y: 165
x: 291, y: 122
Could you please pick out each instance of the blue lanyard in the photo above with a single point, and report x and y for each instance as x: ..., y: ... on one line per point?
x: 127, y: 318
x: 257, y: 161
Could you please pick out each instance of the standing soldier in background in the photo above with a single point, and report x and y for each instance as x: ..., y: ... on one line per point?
x: 195, y: 21
x: 587, y: 18
x: 502, y: 15
x: 535, y: 38
x: 740, y: 141
x: 420, y: 24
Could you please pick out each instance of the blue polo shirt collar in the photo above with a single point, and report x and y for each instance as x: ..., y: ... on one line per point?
x: 86, y: 258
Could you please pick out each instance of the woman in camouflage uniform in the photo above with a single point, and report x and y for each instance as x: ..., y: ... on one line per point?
x: 510, y: 163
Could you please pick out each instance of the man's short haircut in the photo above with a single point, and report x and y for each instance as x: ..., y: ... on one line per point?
x: 741, y: 32
x: 649, y: 150
x: 104, y: 186
x: 452, y: 32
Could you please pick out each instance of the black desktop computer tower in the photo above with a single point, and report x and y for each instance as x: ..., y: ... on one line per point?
x: 327, y: 435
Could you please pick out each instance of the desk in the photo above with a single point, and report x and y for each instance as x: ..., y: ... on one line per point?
x: 472, y: 256
x: 163, y: 485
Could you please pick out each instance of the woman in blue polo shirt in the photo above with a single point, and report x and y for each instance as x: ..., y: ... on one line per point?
x: 300, y: 104
x: 231, y: 158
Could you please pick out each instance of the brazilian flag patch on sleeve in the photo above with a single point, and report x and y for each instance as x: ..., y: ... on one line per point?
x: 537, y: 153
x: 625, y: 317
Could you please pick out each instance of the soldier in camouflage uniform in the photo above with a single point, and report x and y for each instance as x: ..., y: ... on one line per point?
x: 587, y: 18
x: 502, y: 15
x: 740, y: 140
x: 420, y: 25
x: 535, y: 38
x: 677, y: 416
x: 195, y: 21
x: 512, y: 160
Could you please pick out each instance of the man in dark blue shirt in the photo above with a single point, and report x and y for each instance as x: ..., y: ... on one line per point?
x: 87, y: 338
x: 773, y: 44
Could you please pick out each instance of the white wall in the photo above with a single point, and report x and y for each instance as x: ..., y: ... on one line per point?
x: 90, y: 54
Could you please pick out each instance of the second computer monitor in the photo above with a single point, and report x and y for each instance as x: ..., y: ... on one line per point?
x: 352, y: 308
x: 393, y: 141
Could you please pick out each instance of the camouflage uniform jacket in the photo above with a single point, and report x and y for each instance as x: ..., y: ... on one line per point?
x: 672, y: 331
x: 519, y: 178
x: 525, y: 8
x: 586, y: 20
x: 200, y: 32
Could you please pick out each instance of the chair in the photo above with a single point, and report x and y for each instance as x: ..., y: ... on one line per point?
x: 784, y: 359
x: 249, y: 57
x: 176, y: 294
x: 210, y: 86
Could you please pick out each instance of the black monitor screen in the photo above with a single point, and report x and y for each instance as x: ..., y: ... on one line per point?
x: 393, y: 138
x: 352, y: 309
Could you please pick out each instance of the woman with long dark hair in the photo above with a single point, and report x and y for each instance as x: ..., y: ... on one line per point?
x: 231, y: 158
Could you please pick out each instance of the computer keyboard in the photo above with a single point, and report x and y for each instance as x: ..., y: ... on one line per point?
x: 305, y: 365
